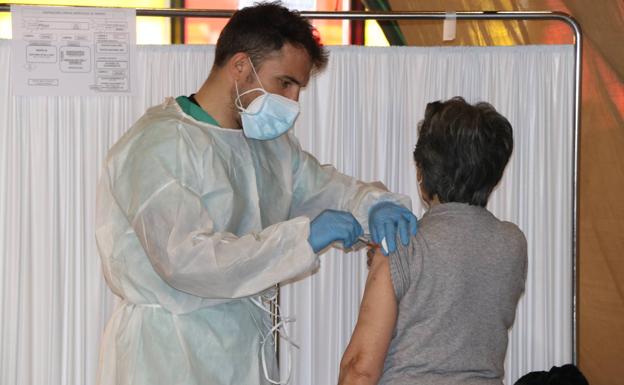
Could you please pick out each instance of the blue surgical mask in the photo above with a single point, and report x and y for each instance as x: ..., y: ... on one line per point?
x: 267, y: 116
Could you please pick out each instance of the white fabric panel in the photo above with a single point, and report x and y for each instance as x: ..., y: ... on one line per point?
x: 361, y: 115
x: 54, y: 302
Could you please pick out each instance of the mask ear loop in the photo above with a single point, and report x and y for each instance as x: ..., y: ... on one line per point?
x: 255, y: 73
x: 237, y: 101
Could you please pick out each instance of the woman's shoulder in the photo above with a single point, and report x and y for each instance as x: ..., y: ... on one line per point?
x: 512, y: 234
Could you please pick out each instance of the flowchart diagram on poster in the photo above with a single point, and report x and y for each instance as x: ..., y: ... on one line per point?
x: 73, y: 51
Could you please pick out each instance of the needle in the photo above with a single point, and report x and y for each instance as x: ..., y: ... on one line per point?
x: 368, y: 242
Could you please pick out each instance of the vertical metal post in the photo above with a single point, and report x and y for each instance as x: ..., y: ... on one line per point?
x: 357, y: 27
x: 177, y: 24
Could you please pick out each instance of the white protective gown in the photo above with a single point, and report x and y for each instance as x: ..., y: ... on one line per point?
x: 193, y: 221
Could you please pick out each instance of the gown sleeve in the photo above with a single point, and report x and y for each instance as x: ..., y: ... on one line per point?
x: 318, y: 187
x: 177, y: 232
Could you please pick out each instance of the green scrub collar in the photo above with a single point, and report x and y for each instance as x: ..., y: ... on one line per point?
x: 195, y: 111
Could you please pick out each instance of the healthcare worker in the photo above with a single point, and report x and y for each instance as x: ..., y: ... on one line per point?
x: 204, y: 205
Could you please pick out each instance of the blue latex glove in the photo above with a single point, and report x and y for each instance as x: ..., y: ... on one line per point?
x: 332, y: 225
x: 385, y: 219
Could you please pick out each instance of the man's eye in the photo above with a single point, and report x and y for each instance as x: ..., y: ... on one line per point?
x: 285, y: 83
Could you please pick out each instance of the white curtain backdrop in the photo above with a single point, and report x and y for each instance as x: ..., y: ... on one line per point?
x: 361, y: 115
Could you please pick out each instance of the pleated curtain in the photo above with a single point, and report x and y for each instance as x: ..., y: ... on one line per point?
x: 361, y: 115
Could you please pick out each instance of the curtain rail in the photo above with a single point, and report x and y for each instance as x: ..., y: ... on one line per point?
x: 463, y: 15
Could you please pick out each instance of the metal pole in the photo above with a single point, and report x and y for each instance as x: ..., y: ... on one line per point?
x: 464, y: 15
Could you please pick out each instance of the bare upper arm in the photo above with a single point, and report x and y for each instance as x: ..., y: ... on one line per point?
x: 362, y: 362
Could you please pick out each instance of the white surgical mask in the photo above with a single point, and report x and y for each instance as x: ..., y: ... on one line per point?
x: 267, y: 116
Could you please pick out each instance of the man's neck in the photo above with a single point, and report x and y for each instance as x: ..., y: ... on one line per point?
x: 215, y: 97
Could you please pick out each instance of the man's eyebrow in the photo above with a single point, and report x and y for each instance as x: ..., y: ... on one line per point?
x: 291, y: 79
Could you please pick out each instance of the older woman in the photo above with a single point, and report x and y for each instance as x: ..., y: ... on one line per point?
x: 438, y: 310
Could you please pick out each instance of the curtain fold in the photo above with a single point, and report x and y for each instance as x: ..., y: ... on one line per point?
x: 361, y: 115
